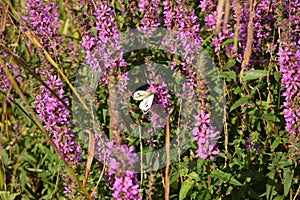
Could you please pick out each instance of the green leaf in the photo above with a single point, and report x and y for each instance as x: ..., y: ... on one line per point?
x: 287, y: 180
x: 239, y: 102
x: 229, y: 64
x: 228, y: 75
x: 229, y: 41
x: 229, y: 189
x: 66, y: 26
x: 105, y: 111
x: 23, y: 179
x: 226, y: 177
x: 204, y: 195
x: 94, y: 30
x: 194, y: 176
x: 276, y: 143
x: 185, y: 188
x: 271, y: 117
x: 237, y: 90
x: 284, y: 163
x: 270, y: 185
x: 4, y: 155
x: 119, y: 5
x: 6, y: 195
x: 281, y: 197
x: 206, y: 42
x: 254, y: 74
x: 200, y: 163
x: 174, y: 177
x: 277, y: 76
x: 27, y: 157
x: 1, y: 179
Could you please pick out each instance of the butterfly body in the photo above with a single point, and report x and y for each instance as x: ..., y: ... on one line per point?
x: 146, y: 97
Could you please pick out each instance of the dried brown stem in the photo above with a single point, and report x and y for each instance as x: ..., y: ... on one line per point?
x: 248, y: 49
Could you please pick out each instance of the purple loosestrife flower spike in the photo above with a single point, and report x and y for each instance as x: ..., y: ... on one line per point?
x: 4, y: 82
x: 123, y: 181
x: 151, y: 17
x: 103, y: 51
x: 289, y: 59
x: 180, y: 16
x: 43, y: 19
x: 205, y: 135
x: 104, y: 54
x: 56, y: 119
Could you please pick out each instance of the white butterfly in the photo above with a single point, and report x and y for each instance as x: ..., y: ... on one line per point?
x: 146, y: 97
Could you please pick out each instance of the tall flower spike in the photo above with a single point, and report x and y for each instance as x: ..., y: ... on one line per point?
x: 289, y: 59
x: 158, y: 86
x: 4, y: 82
x: 206, y: 136
x: 119, y: 176
x: 151, y: 17
x: 56, y: 119
x: 104, y: 54
x: 43, y: 19
x: 180, y: 17
x: 103, y: 51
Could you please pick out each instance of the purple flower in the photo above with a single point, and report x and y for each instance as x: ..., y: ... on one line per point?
x: 15, y: 71
x: 158, y: 116
x: 291, y: 83
x: 125, y: 187
x: 129, y: 152
x: 207, y: 149
x: 179, y: 17
x: 203, y: 120
x: 104, y: 54
x: 250, y: 144
x: 211, y: 20
x: 161, y: 94
x: 199, y: 134
x: 103, y: 51
x: 263, y: 20
x: 67, y: 190
x: 150, y: 18
x: 152, y: 142
x: 56, y: 119
x: 159, y: 88
x: 43, y: 18
x: 203, y: 5
x: 4, y: 82
x: 119, y: 161
x: 205, y: 135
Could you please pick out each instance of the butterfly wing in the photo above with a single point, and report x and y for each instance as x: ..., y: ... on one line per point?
x: 146, y: 104
x: 141, y: 94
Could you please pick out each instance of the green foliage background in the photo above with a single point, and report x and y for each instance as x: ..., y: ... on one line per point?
x: 31, y: 169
